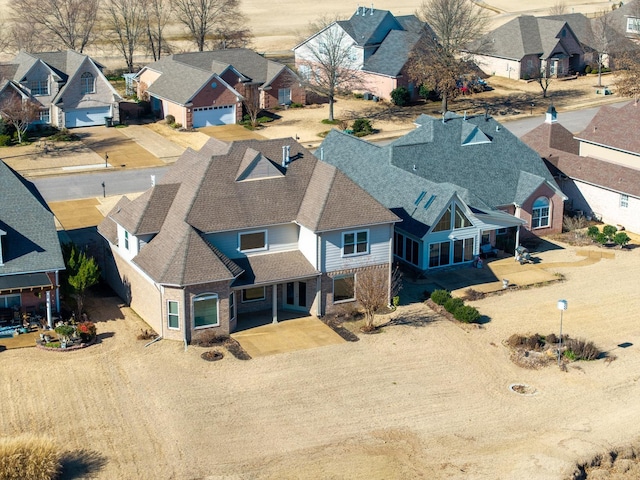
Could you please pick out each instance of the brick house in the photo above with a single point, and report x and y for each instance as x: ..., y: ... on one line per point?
x: 599, y: 168
x: 459, y: 184
x: 30, y: 253
x: 69, y: 86
x: 208, y: 88
x: 244, y: 227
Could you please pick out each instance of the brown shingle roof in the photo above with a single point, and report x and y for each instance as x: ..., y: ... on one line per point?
x: 108, y: 228
x: 615, y: 127
x: 274, y: 267
x: 551, y: 136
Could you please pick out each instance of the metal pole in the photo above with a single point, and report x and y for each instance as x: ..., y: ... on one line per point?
x: 560, y: 344
x: 106, y: 160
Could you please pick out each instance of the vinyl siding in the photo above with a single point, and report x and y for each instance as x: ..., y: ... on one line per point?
x: 280, y: 238
x: 379, y: 241
x: 610, y: 155
x: 308, y: 245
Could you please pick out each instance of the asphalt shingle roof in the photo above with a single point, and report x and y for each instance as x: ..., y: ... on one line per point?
x: 31, y: 242
x: 615, y: 127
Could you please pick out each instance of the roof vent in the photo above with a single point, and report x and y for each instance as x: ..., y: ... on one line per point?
x: 358, y: 10
x: 465, y: 116
x: 371, y: 13
x: 285, y: 155
x: 497, y: 128
x: 414, y: 167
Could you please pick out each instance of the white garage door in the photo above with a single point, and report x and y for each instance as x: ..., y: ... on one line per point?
x: 86, y: 117
x: 218, y: 115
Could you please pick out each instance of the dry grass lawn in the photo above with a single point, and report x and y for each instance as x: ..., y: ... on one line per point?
x: 424, y: 400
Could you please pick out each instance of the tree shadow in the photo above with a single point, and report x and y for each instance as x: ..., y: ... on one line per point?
x: 81, y: 464
x: 411, y: 320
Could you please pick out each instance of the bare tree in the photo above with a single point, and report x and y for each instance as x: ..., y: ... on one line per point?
x: 327, y: 65
x: 71, y: 22
x: 204, y: 17
x: 125, y: 22
x: 251, y: 103
x: 25, y: 36
x: 450, y: 27
x: 157, y: 14
x: 558, y: 8
x: 603, y: 32
x: 232, y: 33
x: 374, y: 289
x: 628, y: 75
x: 543, y: 80
x: 19, y: 112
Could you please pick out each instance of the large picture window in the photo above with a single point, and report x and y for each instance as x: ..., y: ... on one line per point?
x: 461, y: 220
x: 253, y: 241
x: 540, y: 213
x: 205, y: 310
x: 39, y: 87
x: 87, y: 83
x: 439, y: 254
x: 355, y: 243
x: 284, y: 96
x: 444, y: 223
x: 463, y: 250
x: 10, y: 301
x: 344, y: 288
x: 173, y: 317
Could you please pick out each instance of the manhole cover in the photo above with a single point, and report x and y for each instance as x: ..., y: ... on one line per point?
x: 522, y: 389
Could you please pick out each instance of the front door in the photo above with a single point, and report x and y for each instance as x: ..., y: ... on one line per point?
x: 295, y: 295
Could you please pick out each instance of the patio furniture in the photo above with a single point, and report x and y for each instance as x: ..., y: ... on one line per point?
x: 488, y: 250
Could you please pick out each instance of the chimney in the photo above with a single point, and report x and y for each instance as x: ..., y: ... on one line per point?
x: 358, y: 10
x: 153, y: 180
x: 551, y: 116
x: 364, y: 10
x: 285, y: 158
x: 371, y: 13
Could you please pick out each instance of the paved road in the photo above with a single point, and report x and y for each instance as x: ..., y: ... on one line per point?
x: 88, y: 185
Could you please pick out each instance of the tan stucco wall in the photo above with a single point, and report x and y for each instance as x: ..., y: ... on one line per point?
x: 610, y: 155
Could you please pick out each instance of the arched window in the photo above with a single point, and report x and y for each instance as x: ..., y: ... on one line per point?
x: 540, y: 214
x: 87, y: 83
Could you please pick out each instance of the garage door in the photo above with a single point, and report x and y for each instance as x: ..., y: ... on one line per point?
x: 219, y: 115
x: 86, y: 117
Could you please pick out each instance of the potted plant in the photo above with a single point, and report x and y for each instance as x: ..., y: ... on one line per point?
x: 64, y: 332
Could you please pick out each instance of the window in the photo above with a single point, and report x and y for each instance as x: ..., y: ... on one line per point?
x: 253, y: 241
x: 304, y: 71
x: 486, y: 238
x: 205, y: 310
x: 173, y: 318
x: 126, y: 240
x: 439, y: 254
x: 284, y: 96
x: 87, y: 83
x: 253, y: 294
x: 444, y: 223
x: 355, y: 243
x: 633, y: 25
x: 232, y: 306
x: 461, y: 221
x: 44, y: 116
x: 406, y: 248
x: 39, y: 87
x: 463, y: 250
x: 624, y: 201
x: 540, y: 213
x: 344, y: 288
x: 10, y: 301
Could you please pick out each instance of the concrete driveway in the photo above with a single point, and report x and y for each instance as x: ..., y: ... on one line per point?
x: 287, y: 336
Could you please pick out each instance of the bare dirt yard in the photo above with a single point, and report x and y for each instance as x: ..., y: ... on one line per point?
x: 427, y: 399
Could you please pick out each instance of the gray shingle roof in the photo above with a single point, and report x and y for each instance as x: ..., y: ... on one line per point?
x: 370, y: 29
x: 31, y: 242
x: 275, y: 267
x: 393, y: 53
x: 430, y: 165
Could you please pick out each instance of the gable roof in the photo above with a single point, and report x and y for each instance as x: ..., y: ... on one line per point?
x: 31, y: 242
x: 526, y: 35
x: 393, y: 53
x: 370, y: 27
x: 615, y: 128
x: 203, y: 194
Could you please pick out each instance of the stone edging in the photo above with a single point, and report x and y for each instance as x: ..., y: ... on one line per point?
x: 41, y: 346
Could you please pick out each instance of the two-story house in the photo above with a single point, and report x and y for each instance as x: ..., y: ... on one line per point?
x: 30, y: 253
x: 373, y: 42
x: 598, y: 169
x: 461, y: 185
x: 69, y: 86
x: 208, y: 88
x: 244, y: 227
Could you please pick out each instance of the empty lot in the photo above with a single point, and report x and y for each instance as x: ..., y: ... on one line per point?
x: 428, y: 400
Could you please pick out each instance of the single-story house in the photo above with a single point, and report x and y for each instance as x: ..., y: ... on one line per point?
x: 208, y: 88
x: 69, y: 86
x: 244, y: 227
x: 461, y: 185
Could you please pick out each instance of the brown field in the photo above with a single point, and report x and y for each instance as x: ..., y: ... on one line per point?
x: 425, y: 400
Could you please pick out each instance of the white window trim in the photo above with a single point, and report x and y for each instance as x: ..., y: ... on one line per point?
x: 205, y: 296
x: 127, y: 241
x: 264, y: 295
x: 355, y: 245
x: 250, y: 250
x: 84, y: 83
x: 533, y: 209
x: 624, y: 200
x: 333, y: 288
x: 169, y: 314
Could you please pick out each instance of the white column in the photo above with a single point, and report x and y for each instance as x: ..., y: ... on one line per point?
x: 58, y: 291
x: 274, y: 300
x: 49, y: 317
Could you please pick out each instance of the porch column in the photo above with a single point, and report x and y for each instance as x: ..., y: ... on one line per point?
x: 49, y: 317
x: 274, y: 301
x: 58, y: 291
x: 319, y: 309
x: 517, y: 238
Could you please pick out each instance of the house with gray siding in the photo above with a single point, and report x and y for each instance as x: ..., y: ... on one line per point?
x: 69, y: 87
x: 461, y: 185
x: 30, y: 253
x: 239, y: 228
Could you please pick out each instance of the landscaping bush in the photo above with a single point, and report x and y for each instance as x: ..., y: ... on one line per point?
x: 296, y: 105
x: 621, y: 239
x: 28, y: 457
x: 170, y: 119
x: 146, y: 334
x: 601, y: 238
x: 453, y: 304
x: 551, y: 339
x: 400, y: 96
x: 210, y: 338
x: 264, y: 119
x: 587, y: 69
x: 362, y: 127
x: 64, y: 135
x: 5, y: 140
x: 610, y: 232
x: 593, y: 231
x: 440, y: 296
x: 467, y: 314
x: 581, y: 349
x: 424, y: 92
x: 87, y: 331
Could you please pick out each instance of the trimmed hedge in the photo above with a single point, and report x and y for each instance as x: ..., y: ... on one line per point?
x: 467, y: 314
x: 453, y: 304
x: 440, y: 296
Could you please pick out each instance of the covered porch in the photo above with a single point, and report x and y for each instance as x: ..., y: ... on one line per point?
x: 31, y: 296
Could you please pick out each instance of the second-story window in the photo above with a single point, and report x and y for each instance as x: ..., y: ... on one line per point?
x: 355, y: 243
x: 252, y: 241
x: 87, y: 83
x: 39, y: 87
